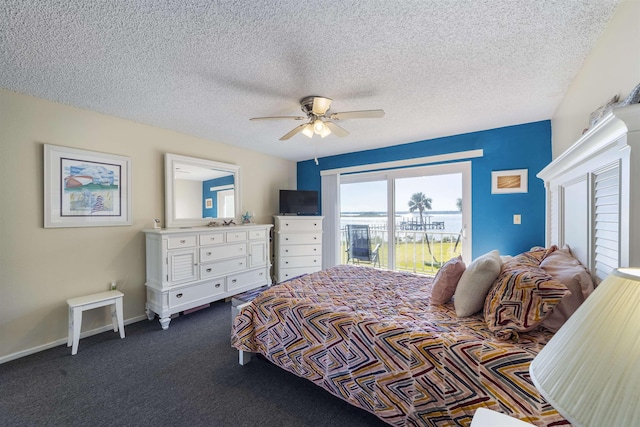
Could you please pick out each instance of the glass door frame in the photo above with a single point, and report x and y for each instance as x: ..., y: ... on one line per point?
x: 390, y: 175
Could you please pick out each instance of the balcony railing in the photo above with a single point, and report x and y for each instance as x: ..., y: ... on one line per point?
x: 417, y: 251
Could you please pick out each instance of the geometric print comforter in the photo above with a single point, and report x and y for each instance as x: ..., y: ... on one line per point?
x: 372, y: 338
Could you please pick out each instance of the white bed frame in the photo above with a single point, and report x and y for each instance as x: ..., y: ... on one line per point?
x: 593, y: 194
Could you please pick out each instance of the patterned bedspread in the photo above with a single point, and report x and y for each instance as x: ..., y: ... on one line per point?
x: 372, y: 338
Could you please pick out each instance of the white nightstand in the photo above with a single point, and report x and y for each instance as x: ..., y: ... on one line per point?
x: 487, y: 418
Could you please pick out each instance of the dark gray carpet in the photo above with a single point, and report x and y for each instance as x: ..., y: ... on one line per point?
x: 186, y: 375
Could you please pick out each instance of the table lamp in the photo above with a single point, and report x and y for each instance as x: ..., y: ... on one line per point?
x: 590, y: 370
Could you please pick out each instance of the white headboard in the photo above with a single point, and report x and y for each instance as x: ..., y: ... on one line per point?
x: 593, y: 193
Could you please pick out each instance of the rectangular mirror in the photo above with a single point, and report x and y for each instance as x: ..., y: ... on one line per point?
x: 198, y: 191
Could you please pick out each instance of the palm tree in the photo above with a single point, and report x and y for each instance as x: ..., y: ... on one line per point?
x: 421, y: 203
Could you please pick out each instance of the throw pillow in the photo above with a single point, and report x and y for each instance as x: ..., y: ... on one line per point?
x: 563, y: 266
x: 475, y: 283
x: 446, y: 281
x: 523, y: 296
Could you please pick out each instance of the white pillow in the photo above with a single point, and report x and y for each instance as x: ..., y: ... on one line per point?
x: 475, y: 283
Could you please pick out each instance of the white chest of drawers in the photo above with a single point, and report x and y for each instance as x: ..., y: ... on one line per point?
x: 187, y: 268
x: 297, y: 246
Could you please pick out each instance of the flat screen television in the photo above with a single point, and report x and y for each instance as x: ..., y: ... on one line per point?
x: 298, y: 202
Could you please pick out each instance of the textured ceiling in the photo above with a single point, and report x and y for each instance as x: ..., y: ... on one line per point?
x: 437, y: 67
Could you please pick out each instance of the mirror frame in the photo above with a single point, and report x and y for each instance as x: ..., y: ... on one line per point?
x: 170, y: 161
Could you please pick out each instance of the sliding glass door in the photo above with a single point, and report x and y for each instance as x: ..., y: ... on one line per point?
x: 428, y: 221
x: 412, y: 219
x: 364, y: 222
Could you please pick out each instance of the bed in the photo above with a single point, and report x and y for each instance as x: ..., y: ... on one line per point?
x: 374, y: 339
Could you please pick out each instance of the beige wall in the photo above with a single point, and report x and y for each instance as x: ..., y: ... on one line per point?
x: 40, y: 268
x: 612, y: 67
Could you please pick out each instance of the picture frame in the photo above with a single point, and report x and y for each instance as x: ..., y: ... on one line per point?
x: 509, y: 181
x: 86, y: 188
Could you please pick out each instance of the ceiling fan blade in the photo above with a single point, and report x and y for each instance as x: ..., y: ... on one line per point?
x: 279, y: 117
x: 362, y: 114
x: 320, y: 105
x: 335, y: 129
x: 293, y: 132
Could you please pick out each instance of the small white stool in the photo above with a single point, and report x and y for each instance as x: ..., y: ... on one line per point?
x: 80, y: 304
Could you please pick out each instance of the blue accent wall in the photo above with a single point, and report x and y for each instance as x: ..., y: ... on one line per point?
x: 208, y: 194
x: 526, y: 146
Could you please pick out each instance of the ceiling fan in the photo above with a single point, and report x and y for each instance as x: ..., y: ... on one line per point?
x: 318, y: 119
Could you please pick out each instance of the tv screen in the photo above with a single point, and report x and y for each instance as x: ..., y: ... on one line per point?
x: 298, y: 202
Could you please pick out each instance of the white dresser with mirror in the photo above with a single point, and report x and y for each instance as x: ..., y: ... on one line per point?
x: 198, y: 259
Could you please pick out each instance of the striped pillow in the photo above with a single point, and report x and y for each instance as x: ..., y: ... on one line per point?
x: 520, y: 299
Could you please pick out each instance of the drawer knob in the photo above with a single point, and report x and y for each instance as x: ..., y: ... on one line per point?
x: 286, y: 262
x: 217, y: 285
x: 179, y: 296
x: 286, y: 238
x: 183, y: 241
x: 208, y: 270
x: 234, y: 280
x: 208, y: 253
x: 286, y: 250
x: 315, y: 238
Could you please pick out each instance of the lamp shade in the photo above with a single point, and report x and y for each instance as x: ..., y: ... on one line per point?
x: 308, y: 130
x: 590, y: 370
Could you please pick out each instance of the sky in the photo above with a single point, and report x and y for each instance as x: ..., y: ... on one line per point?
x: 443, y: 190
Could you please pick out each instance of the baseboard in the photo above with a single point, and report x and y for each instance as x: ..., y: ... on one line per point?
x: 62, y: 341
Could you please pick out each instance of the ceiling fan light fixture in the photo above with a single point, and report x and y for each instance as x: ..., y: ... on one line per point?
x: 318, y: 126
x: 325, y: 132
x: 308, y: 130
x: 316, y: 109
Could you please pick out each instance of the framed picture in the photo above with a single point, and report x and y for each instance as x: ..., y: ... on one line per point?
x: 511, y: 181
x: 208, y: 203
x: 85, y: 188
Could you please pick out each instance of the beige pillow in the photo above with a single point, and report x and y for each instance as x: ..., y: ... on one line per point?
x: 446, y: 281
x: 562, y: 266
x: 475, y: 283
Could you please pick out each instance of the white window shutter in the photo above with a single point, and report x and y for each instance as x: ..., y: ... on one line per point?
x: 606, y: 220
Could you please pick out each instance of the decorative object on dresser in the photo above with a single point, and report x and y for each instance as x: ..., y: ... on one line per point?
x: 589, y: 370
x: 298, y: 246
x: 187, y: 268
